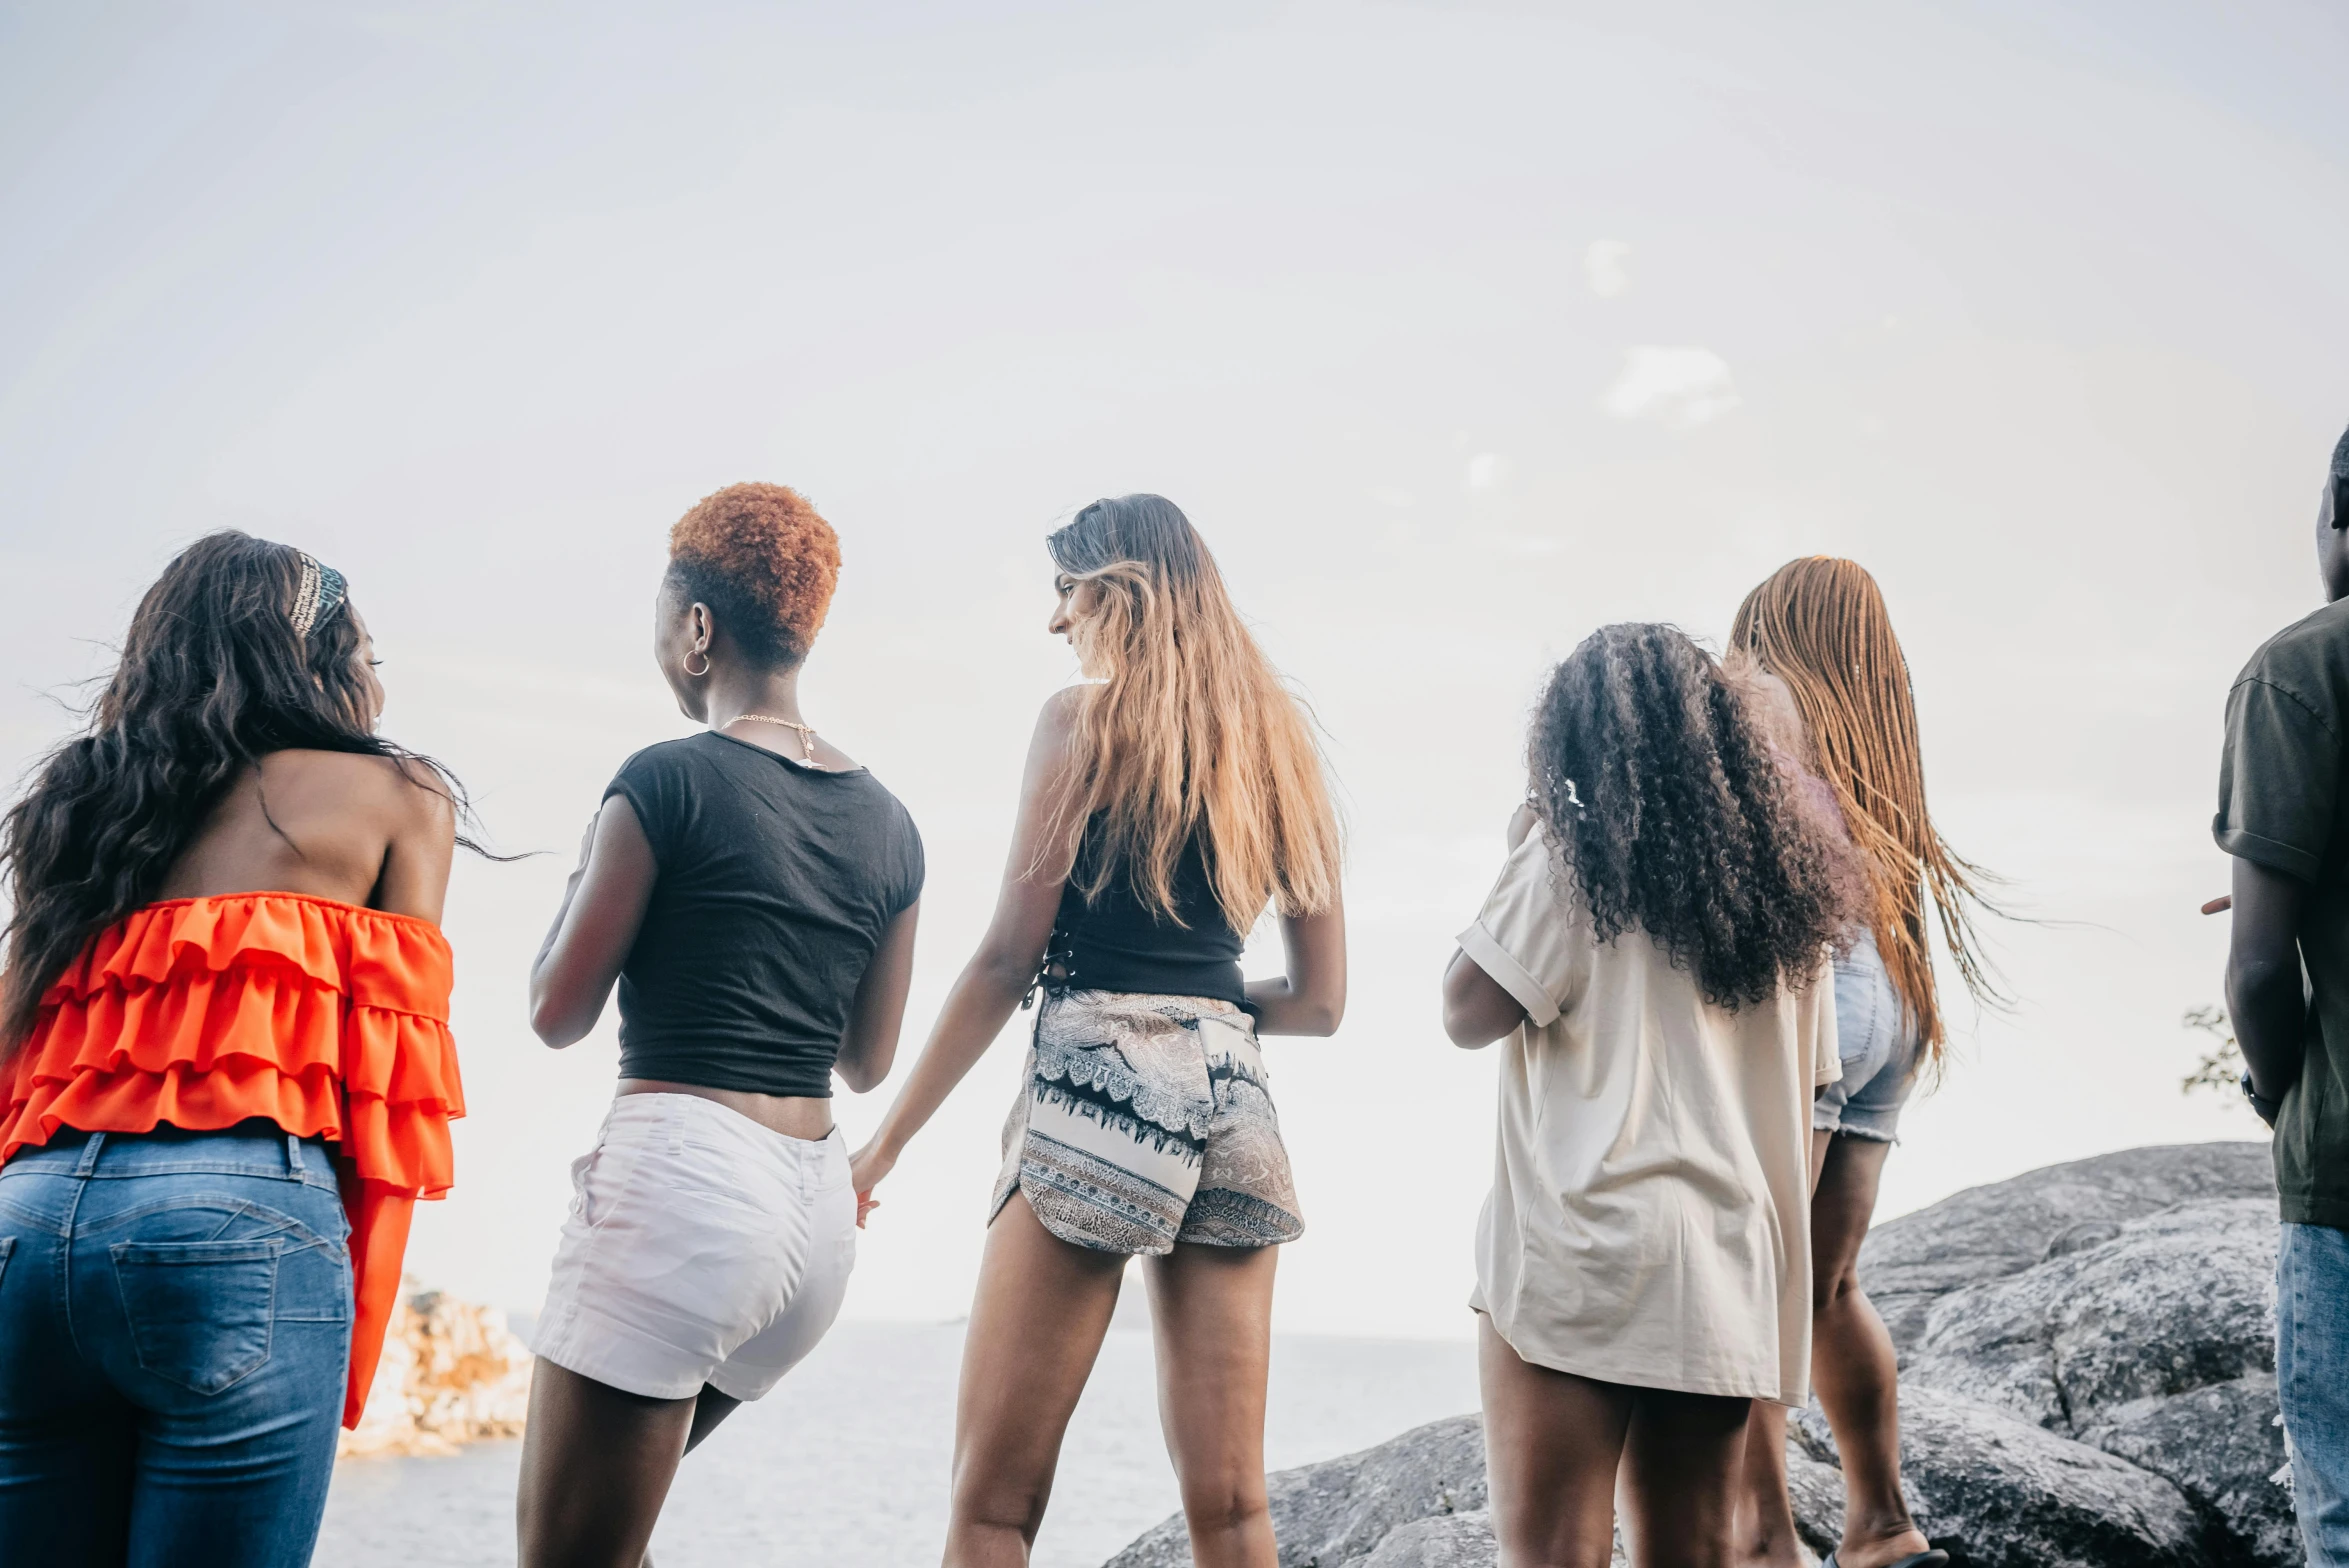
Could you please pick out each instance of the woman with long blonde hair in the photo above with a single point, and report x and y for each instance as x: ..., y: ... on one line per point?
x: 1818, y: 643
x: 1166, y: 805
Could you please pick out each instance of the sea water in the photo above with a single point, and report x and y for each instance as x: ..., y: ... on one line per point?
x: 845, y: 1464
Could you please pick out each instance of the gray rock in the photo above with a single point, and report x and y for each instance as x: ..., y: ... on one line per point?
x: 1987, y: 1233
x: 1332, y: 1515
x: 2087, y: 1381
x: 1451, y: 1541
x: 2170, y: 1303
x: 2022, y: 1497
x: 2223, y: 1448
x: 1447, y: 1541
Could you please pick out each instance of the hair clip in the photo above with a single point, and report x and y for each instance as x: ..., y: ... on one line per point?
x: 1572, y: 799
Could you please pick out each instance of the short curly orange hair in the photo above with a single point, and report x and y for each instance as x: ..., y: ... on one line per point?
x: 764, y: 562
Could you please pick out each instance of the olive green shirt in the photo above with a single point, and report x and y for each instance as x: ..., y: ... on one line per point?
x: 2284, y: 803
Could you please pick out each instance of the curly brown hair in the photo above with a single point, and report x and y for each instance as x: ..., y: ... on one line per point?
x: 764, y: 562
x: 1676, y: 817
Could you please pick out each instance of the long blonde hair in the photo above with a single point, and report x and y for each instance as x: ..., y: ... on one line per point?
x: 1819, y: 624
x: 1189, y: 730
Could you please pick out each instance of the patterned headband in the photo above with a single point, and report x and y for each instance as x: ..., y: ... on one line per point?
x: 318, y: 597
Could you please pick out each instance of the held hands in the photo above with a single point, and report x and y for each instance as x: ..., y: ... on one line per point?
x: 866, y: 1167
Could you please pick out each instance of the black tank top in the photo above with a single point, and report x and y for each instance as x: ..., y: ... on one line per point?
x: 775, y: 883
x: 1116, y: 943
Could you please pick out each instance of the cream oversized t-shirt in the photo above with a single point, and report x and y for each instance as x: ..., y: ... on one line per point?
x: 1649, y: 1222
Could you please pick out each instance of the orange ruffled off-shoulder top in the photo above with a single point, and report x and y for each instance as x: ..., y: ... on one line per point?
x: 330, y: 1020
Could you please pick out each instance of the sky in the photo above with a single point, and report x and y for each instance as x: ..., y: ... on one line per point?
x: 1457, y: 330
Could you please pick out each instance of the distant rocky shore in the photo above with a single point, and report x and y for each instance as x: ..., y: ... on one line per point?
x: 2087, y: 1381
x: 451, y: 1373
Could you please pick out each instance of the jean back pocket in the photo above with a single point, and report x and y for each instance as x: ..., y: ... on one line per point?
x: 199, y: 1311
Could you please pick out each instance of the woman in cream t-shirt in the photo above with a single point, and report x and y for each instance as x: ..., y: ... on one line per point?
x: 1654, y: 950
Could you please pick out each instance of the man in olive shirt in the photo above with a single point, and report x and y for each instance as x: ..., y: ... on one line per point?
x: 2284, y: 815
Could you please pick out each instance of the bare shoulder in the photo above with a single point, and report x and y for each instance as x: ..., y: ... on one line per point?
x: 1058, y: 717
x: 1053, y: 745
x: 408, y: 793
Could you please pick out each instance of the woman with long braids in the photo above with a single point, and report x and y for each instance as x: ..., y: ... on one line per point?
x: 1166, y: 805
x: 1656, y: 954
x: 225, y: 1074
x: 753, y: 892
x: 1822, y: 646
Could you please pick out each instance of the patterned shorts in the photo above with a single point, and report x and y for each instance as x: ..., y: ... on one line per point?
x: 1145, y: 1121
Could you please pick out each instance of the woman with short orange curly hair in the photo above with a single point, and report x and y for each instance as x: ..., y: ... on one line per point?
x: 753, y: 893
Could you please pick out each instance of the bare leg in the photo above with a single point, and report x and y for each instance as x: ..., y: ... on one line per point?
x: 709, y: 1408
x: 1036, y: 1328
x: 1766, y: 1536
x: 1551, y: 1445
x: 596, y: 1465
x: 1680, y: 1464
x: 1211, y: 1310
x: 1853, y: 1363
x: 1765, y: 1513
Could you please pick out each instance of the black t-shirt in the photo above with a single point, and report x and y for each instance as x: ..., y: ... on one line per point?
x: 2284, y: 803
x: 776, y: 882
x: 1117, y: 943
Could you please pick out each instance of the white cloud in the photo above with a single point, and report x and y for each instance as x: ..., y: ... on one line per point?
x: 1679, y: 386
x: 1605, y: 267
x: 1487, y: 470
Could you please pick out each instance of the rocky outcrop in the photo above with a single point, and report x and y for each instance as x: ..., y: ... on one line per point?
x: 1345, y: 1510
x: 1989, y: 1233
x: 2018, y: 1495
x: 2125, y: 1304
x: 2087, y: 1381
x: 451, y: 1373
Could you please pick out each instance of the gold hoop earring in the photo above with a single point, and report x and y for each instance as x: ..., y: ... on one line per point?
x: 705, y: 664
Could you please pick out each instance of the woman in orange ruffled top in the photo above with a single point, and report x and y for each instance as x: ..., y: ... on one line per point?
x: 225, y: 1074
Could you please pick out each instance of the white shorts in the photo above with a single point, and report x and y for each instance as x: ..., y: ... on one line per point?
x: 700, y: 1248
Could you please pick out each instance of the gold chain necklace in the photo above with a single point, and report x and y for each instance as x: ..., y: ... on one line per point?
x: 807, y: 732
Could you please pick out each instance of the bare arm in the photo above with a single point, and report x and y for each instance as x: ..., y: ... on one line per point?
x: 1004, y: 966
x: 414, y: 879
x: 2264, y: 995
x: 870, y: 1047
x: 1310, y: 998
x: 419, y: 846
x: 603, y: 907
x: 1477, y: 1010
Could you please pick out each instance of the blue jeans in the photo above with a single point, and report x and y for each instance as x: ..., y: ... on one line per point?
x: 175, y: 1329
x: 2312, y: 1379
x: 1880, y: 1048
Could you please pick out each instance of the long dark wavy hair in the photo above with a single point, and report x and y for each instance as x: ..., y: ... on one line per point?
x: 212, y: 678
x: 1676, y: 817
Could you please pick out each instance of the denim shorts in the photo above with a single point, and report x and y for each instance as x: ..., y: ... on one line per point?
x: 175, y: 1328
x: 1878, y: 1044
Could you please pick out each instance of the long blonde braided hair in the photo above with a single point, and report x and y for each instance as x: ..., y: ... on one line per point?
x: 1819, y: 624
